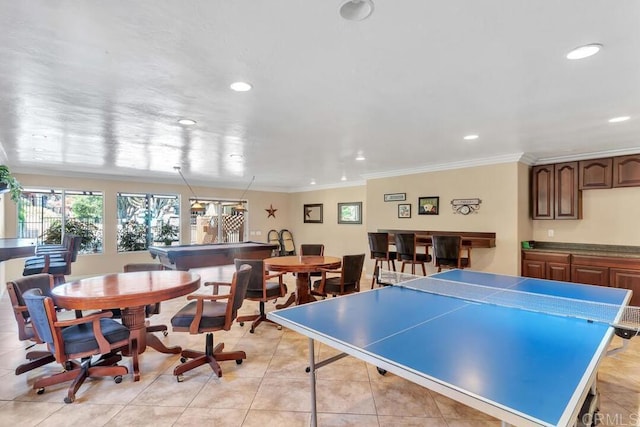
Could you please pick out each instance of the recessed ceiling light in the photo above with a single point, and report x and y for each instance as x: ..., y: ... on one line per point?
x: 584, y: 51
x: 619, y: 119
x: 360, y: 157
x: 356, y: 10
x: 187, y: 122
x: 471, y: 137
x: 236, y: 156
x: 240, y: 86
x: 344, y: 178
x: 313, y: 182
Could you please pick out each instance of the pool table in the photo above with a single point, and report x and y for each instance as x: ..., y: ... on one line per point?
x: 184, y: 257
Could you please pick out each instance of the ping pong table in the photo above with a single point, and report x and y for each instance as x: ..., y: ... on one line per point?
x: 523, y: 366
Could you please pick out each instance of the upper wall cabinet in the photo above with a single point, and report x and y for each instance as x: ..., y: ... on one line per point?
x: 626, y: 171
x: 595, y: 173
x: 555, y: 192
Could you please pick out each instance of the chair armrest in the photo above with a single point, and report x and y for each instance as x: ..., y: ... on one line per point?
x: 94, y: 319
x: 274, y: 275
x: 208, y: 297
x: 216, y: 286
x: 85, y: 319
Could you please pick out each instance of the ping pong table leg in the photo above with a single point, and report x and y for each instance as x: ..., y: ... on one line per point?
x: 312, y: 376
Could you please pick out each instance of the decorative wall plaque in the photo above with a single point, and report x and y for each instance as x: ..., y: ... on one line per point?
x: 465, y: 206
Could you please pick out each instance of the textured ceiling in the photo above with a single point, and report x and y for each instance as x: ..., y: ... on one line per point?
x: 94, y: 87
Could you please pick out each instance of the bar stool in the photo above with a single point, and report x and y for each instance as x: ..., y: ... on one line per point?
x: 447, y: 252
x: 379, y: 246
x: 406, y: 248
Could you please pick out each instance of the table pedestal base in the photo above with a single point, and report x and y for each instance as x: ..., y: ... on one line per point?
x: 302, y: 295
x: 134, y: 319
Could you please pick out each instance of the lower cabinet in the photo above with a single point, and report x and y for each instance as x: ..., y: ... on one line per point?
x: 591, y: 270
x: 626, y: 279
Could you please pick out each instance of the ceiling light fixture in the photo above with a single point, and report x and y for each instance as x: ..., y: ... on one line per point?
x: 619, y: 119
x: 240, y: 208
x: 584, y: 51
x: 344, y: 178
x: 187, y: 122
x: 313, y: 182
x: 240, y: 86
x: 196, y: 207
x: 356, y: 10
x: 470, y: 137
x: 360, y: 157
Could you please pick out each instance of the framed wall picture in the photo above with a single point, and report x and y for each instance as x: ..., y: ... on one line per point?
x: 350, y: 213
x: 428, y: 205
x: 313, y: 213
x: 395, y: 197
x: 404, y: 210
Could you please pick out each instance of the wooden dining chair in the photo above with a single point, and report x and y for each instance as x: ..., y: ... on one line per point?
x: 347, y: 282
x: 16, y: 288
x: 77, y: 339
x: 207, y: 314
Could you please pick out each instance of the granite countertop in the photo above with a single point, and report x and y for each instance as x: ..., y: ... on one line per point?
x: 587, y: 249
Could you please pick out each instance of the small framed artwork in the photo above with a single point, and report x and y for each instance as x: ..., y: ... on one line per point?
x: 395, y: 197
x: 313, y: 213
x: 428, y: 205
x: 404, y: 210
x: 350, y: 213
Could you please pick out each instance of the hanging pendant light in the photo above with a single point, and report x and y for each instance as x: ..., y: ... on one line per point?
x: 240, y: 208
x: 196, y: 207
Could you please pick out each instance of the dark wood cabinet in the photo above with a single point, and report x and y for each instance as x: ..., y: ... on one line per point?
x: 590, y: 275
x: 546, y: 265
x: 626, y: 171
x: 555, y: 192
x: 568, y: 198
x: 619, y: 272
x: 626, y: 279
x: 595, y: 173
x: 542, y: 192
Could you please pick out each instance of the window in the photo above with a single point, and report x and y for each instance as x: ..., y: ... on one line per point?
x: 147, y: 220
x: 46, y: 215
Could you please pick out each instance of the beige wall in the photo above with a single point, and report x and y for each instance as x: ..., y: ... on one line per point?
x: 497, y: 186
x: 610, y: 216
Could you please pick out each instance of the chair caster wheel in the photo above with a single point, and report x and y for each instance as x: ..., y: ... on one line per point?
x: 117, y: 379
x: 68, y: 399
x: 165, y: 333
x: 381, y: 371
x: 251, y: 331
x: 40, y: 391
x: 279, y: 327
x: 238, y: 361
x: 183, y: 359
x: 179, y: 378
x: 241, y: 323
x: 307, y: 369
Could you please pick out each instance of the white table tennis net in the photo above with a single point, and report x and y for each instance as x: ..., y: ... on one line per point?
x: 612, y: 314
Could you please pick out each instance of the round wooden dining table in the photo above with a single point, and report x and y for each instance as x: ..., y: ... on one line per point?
x: 131, y: 292
x: 302, y: 265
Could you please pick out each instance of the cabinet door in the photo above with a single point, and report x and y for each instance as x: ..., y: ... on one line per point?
x: 590, y: 275
x: 558, y: 271
x: 568, y: 198
x: 626, y: 171
x: 627, y: 279
x: 542, y: 191
x: 595, y: 173
x: 535, y: 269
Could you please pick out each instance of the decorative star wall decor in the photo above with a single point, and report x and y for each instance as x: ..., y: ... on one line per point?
x: 272, y: 212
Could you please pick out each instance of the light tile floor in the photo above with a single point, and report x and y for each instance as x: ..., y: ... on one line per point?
x: 270, y: 388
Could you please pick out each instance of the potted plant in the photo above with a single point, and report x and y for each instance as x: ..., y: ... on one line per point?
x: 8, y: 183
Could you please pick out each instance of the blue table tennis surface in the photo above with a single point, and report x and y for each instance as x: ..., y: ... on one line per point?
x: 534, y: 365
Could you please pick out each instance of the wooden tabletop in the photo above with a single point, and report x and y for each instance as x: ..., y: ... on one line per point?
x: 120, y: 290
x: 301, y: 263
